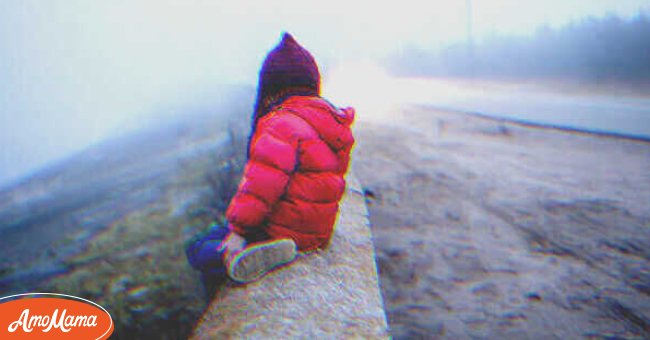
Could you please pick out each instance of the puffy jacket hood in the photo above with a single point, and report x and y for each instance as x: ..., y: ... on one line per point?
x: 331, y: 123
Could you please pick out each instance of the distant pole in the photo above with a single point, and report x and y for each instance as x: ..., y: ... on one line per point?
x: 470, y: 40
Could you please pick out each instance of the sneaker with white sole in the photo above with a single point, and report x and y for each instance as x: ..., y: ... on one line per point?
x: 257, y: 260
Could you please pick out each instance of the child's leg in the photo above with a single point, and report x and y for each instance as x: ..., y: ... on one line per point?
x: 203, y: 254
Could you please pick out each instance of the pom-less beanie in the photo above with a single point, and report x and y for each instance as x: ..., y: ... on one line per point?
x: 288, y: 69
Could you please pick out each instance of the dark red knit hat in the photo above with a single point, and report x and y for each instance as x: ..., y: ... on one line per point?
x: 289, y: 65
x: 288, y: 69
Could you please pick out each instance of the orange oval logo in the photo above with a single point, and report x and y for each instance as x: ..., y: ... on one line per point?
x: 53, y: 316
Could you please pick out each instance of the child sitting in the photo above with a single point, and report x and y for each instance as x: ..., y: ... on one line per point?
x: 298, y: 153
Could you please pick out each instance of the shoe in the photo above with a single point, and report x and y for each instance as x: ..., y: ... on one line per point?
x: 257, y: 260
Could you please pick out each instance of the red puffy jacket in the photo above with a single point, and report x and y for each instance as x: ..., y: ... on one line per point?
x: 293, y: 180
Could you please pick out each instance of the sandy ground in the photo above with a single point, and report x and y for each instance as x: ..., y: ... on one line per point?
x: 488, y: 229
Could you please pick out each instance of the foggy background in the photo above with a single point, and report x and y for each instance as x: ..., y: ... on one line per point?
x: 75, y: 72
x: 593, y: 49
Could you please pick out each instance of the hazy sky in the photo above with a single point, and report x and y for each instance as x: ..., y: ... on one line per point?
x: 73, y: 72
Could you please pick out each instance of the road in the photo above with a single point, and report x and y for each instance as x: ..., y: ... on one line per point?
x: 611, y: 109
x: 489, y: 229
x: 603, y: 113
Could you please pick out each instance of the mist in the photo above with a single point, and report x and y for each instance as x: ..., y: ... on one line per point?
x: 75, y: 73
x: 593, y: 49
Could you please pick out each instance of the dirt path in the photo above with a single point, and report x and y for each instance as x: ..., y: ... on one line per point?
x: 487, y: 229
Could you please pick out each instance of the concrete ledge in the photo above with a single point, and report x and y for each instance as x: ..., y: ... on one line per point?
x: 330, y: 294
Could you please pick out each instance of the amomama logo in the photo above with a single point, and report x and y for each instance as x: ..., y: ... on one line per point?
x: 53, y: 316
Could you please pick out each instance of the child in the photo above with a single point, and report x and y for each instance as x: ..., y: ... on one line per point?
x: 298, y: 153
